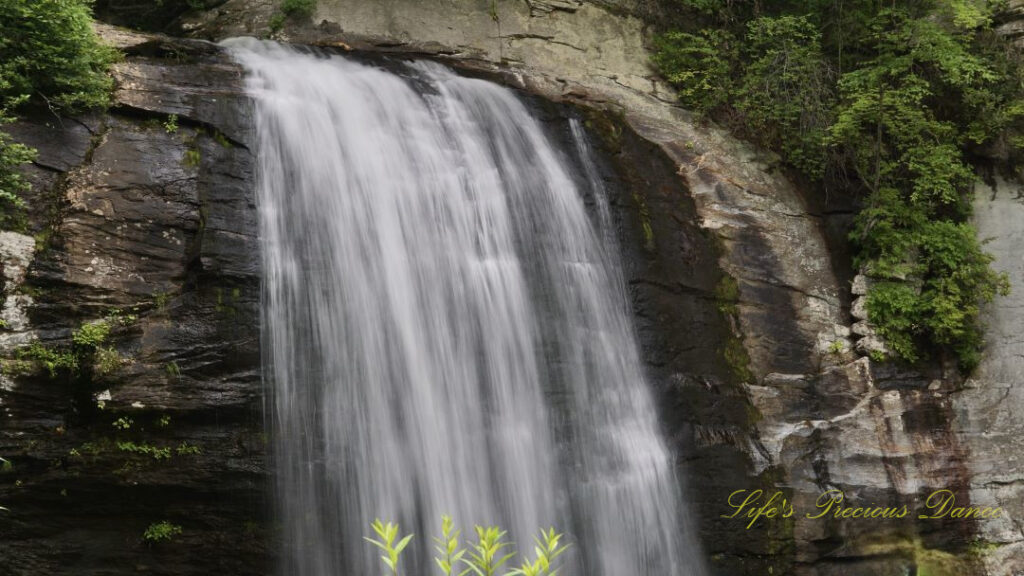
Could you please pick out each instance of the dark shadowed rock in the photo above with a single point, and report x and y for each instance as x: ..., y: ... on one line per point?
x: 156, y: 224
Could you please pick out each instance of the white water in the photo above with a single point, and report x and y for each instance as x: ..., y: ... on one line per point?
x: 446, y: 328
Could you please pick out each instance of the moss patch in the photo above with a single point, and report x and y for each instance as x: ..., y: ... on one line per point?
x: 929, y: 561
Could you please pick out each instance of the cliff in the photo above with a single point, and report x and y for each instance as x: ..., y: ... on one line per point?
x: 151, y: 230
x: 745, y: 302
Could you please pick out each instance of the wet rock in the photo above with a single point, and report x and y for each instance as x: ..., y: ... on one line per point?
x: 539, y: 7
x: 1010, y: 22
x: 16, y: 251
x: 872, y: 344
x: 156, y: 232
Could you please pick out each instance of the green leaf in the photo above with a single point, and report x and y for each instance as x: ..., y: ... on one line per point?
x: 403, y: 543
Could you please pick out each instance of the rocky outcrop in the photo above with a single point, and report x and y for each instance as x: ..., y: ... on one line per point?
x: 1010, y: 22
x: 143, y: 219
x: 742, y: 296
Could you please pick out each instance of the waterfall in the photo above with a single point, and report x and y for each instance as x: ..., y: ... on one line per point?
x: 446, y: 329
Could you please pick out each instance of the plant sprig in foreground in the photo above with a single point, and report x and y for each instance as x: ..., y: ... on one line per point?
x: 485, y: 557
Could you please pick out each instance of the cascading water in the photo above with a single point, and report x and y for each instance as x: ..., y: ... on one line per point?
x: 446, y: 329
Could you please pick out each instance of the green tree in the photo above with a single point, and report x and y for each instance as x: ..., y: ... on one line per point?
x: 12, y: 184
x: 904, y: 119
x: 888, y: 99
x: 49, y: 54
x: 699, y: 65
x: 48, y: 50
x: 786, y: 91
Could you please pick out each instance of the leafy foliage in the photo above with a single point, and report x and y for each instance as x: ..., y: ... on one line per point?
x: 171, y: 124
x: 546, y: 551
x: 699, y: 65
x: 186, y: 449
x: 291, y: 9
x: 447, y: 547
x: 386, y: 535
x: 49, y: 52
x: 487, y: 554
x: 785, y: 94
x: 484, y: 557
x: 12, y: 184
x: 54, y: 361
x: 298, y: 8
x: 86, y: 355
x: 161, y: 532
x: 144, y: 449
x: 91, y: 335
x: 887, y: 99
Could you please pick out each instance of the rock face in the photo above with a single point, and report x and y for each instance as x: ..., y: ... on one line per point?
x: 1010, y: 22
x: 987, y: 411
x: 149, y: 223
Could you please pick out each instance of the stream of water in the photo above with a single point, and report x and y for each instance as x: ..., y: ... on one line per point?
x: 446, y: 329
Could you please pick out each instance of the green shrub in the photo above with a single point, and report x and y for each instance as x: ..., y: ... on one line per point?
x: 48, y: 52
x: 12, y: 184
x: 171, y: 124
x: 156, y: 452
x: 886, y: 100
x: 786, y: 91
x: 698, y: 65
x: 54, y: 361
x: 298, y: 8
x: 162, y: 531
x: 939, y: 306
x: 276, y: 22
x: 907, y: 149
x: 86, y: 353
x: 92, y: 334
x: 186, y: 449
